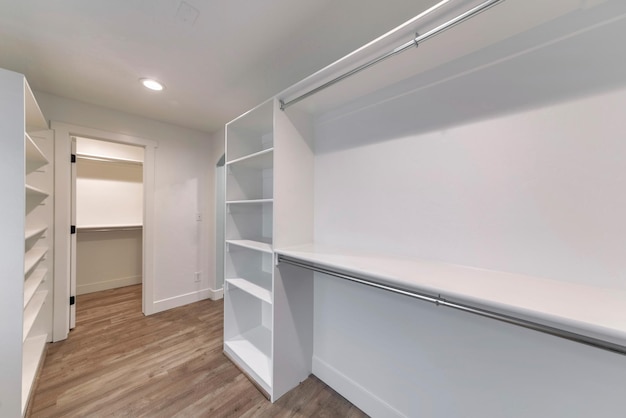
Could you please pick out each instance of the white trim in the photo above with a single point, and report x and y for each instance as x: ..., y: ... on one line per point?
x: 107, y: 284
x: 62, y: 166
x: 217, y: 294
x: 365, y: 400
x: 187, y: 298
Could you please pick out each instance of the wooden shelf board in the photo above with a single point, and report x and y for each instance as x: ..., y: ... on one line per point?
x: 252, y: 245
x: 592, y: 311
x: 32, y: 257
x: 32, y: 353
x: 252, y: 352
x: 260, y: 160
x: 253, y: 289
x: 31, y: 284
x: 32, y: 311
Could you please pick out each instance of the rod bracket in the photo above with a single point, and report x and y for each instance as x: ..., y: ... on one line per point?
x: 415, y: 40
x: 281, y: 102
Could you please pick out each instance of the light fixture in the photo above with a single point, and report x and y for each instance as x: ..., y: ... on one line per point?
x: 151, y: 84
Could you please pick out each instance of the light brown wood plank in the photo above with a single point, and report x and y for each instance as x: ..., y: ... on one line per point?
x: 119, y: 363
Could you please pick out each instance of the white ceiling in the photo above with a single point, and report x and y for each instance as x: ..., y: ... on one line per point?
x: 217, y: 58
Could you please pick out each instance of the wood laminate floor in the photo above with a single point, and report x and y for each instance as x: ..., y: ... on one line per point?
x: 119, y: 363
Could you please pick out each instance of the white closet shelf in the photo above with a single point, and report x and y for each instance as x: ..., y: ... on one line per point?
x: 252, y: 351
x: 260, y: 160
x: 32, y: 354
x: 34, y: 156
x: 253, y: 289
x: 35, y: 192
x: 32, y: 258
x: 32, y: 311
x: 35, y: 120
x: 32, y: 284
x: 105, y: 159
x: 264, y: 247
x: 108, y: 228
x: 35, y: 231
x: 250, y: 201
x: 587, y: 310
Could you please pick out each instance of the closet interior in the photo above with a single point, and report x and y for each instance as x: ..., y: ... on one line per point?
x: 109, y: 215
x: 482, y: 176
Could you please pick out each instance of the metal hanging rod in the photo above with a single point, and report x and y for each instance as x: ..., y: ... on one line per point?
x: 412, y: 43
x: 439, y: 301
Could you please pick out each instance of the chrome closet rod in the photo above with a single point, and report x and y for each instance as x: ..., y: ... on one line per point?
x: 414, y: 42
x: 439, y: 301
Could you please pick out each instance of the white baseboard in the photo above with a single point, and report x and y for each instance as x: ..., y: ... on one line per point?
x: 176, y: 301
x: 217, y: 294
x: 107, y: 284
x: 352, y: 391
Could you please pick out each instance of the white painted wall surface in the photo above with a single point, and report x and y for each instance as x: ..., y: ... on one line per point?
x: 539, y: 192
x: 107, y: 260
x: 182, y: 189
x: 108, y: 193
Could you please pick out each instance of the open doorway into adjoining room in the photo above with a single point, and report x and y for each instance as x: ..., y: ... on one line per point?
x: 108, y: 190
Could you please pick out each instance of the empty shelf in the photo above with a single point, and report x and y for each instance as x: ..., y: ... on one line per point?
x: 32, y: 257
x: 32, y: 311
x: 35, y: 192
x: 32, y: 354
x: 35, y: 231
x: 252, y: 289
x: 553, y: 303
x: 35, y: 158
x: 251, y: 201
x: 35, y: 120
x: 32, y: 284
x: 252, y: 352
x: 252, y: 245
x: 259, y: 160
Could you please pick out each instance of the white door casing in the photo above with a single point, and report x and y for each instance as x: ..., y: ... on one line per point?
x: 62, y: 218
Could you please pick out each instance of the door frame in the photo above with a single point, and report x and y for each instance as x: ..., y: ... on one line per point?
x: 63, y: 132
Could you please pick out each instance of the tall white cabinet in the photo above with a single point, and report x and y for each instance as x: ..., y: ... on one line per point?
x: 484, y: 169
x: 26, y: 246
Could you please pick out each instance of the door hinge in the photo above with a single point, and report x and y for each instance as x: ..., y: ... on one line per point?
x: 72, y: 300
x: 73, y: 229
x: 73, y: 158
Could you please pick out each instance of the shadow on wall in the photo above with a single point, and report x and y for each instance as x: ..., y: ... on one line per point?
x: 467, y: 89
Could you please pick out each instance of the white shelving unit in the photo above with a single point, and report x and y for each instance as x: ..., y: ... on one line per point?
x: 249, y: 242
x: 27, y: 172
x: 489, y: 149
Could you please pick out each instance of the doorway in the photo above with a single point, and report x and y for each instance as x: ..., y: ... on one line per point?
x: 107, y: 210
x: 63, y: 134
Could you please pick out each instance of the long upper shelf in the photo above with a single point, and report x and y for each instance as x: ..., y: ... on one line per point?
x: 591, y: 311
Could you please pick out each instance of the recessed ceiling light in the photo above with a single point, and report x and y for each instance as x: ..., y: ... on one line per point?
x: 151, y: 84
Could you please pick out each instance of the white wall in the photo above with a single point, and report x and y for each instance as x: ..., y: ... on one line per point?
x: 107, y: 260
x: 108, y: 193
x: 182, y: 189
x: 540, y: 192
